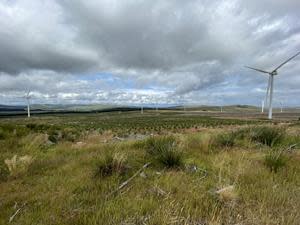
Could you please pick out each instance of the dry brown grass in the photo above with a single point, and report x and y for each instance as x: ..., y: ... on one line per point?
x: 18, y: 165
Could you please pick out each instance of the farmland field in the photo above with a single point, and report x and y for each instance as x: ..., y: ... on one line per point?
x: 164, y: 167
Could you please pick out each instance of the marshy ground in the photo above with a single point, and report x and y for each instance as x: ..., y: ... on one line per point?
x: 155, y: 168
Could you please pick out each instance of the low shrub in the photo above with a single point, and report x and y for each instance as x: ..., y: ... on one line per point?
x: 70, y: 134
x: 54, y: 136
x: 269, y: 136
x: 275, y: 160
x: 31, y: 126
x: 112, y: 163
x: 164, y: 151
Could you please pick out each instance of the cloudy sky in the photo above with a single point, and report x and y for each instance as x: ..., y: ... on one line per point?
x: 148, y: 51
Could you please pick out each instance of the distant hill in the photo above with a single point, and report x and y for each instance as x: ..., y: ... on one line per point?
x: 218, y: 108
x: 10, y: 110
x: 72, y: 107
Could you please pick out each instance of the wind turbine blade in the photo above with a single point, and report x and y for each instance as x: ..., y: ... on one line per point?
x: 259, y: 70
x: 286, y: 61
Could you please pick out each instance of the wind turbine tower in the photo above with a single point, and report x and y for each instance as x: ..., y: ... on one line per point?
x: 270, y: 87
x: 27, y: 97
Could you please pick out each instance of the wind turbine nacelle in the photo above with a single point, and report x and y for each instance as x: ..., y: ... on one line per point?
x: 274, y: 73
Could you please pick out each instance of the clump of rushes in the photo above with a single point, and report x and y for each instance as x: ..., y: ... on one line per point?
x: 164, y: 150
x: 269, y: 136
x: 112, y: 163
x: 275, y: 160
x: 225, y: 140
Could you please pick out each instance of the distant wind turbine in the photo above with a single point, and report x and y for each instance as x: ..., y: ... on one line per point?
x: 271, y: 82
x: 27, y: 97
x: 262, y: 106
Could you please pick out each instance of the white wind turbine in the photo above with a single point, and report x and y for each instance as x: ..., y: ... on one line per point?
x: 271, y: 82
x: 28, y: 97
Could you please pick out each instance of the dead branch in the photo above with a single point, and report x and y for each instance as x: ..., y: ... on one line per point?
x: 291, y: 148
x: 130, y: 179
x: 16, y: 213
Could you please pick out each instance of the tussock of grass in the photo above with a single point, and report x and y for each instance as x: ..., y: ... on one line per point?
x: 269, y: 136
x: 164, y: 150
x: 112, y: 163
x: 18, y: 165
x: 225, y: 140
x: 275, y: 160
x: 156, y: 145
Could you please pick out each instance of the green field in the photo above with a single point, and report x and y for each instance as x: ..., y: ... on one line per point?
x: 152, y: 168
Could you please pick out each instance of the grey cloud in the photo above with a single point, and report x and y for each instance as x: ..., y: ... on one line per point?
x: 146, y: 35
x: 187, y: 48
x: 33, y: 38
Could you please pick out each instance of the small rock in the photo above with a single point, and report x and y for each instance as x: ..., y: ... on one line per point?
x: 143, y: 175
x: 227, y: 193
x: 49, y: 143
x: 79, y: 144
x: 191, y: 168
x: 158, y: 191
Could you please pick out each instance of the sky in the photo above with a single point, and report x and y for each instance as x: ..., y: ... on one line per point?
x: 147, y: 52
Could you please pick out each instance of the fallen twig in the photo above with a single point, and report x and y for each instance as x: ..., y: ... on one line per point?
x: 130, y: 179
x: 291, y: 147
x: 288, y: 150
x: 16, y: 213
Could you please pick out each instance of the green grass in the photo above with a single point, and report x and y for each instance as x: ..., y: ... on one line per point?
x: 70, y: 181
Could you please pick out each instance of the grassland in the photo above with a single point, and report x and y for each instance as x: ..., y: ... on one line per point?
x: 88, y: 169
